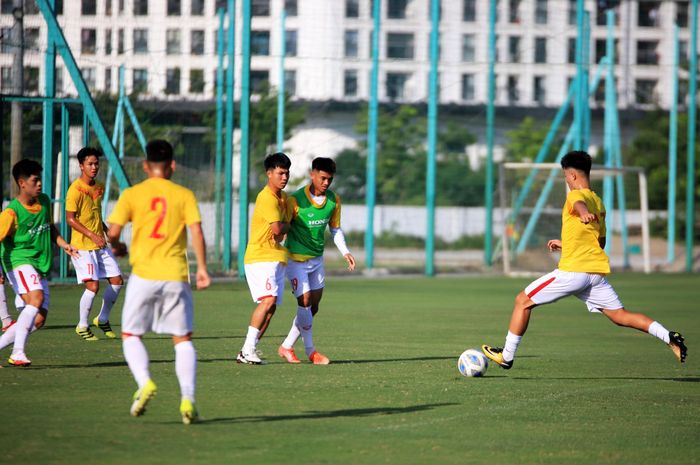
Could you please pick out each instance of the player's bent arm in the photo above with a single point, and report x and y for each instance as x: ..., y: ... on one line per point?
x: 583, y: 213
x: 61, y: 242
x: 113, y: 233
x: 78, y: 226
x: 200, y: 252
x: 554, y: 244
x: 339, y: 241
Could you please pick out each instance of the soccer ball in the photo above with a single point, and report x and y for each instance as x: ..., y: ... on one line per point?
x: 472, y: 363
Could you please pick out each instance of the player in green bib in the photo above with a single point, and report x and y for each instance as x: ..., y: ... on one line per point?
x: 312, y: 208
x: 26, y: 233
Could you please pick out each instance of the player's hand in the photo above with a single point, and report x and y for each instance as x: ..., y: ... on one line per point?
x: 202, y: 279
x: 351, y: 261
x: 587, y: 218
x: 99, y: 241
x: 70, y: 250
x: 553, y: 245
x: 119, y: 249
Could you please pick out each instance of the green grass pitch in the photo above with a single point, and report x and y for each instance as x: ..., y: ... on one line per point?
x: 582, y: 390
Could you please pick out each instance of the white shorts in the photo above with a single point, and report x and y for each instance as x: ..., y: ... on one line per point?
x: 591, y: 288
x: 93, y: 265
x: 164, y: 307
x: 306, y: 276
x: 265, y: 279
x: 25, y: 278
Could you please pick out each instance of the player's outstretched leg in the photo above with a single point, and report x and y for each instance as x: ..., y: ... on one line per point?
x: 286, y: 349
x: 186, y: 370
x: 495, y: 354
x: 519, y: 320
x: 677, y: 345
x: 137, y: 358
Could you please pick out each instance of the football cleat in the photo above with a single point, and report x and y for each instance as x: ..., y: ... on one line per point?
x: 19, y: 361
x: 677, y: 345
x: 495, y: 354
x: 85, y: 333
x: 188, y: 412
x: 318, y: 358
x: 288, y: 354
x: 105, y: 327
x: 8, y: 325
x: 141, y: 398
x: 248, y: 357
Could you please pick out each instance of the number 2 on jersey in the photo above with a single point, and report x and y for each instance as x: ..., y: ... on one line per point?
x: 156, y: 234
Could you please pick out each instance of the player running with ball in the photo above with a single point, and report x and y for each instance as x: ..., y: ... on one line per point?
x: 581, y: 271
x: 312, y: 208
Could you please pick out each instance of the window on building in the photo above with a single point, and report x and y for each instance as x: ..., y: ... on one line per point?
x: 88, y: 7
x: 538, y: 90
x: 108, y: 80
x: 108, y: 7
x: 6, y: 40
x: 290, y: 43
x: 645, y: 91
x: 259, y: 80
x: 468, y: 48
x: 541, y: 12
x: 683, y: 92
x: 140, y: 41
x: 218, y: 4
x: 351, y: 44
x: 108, y: 41
x: 196, y: 81
x: 58, y: 76
x: 140, y: 80
x: 646, y: 52
x: 572, y: 12
x: 514, y: 49
x: 6, y: 7
x: 468, y: 87
x: 121, y: 6
x: 6, y: 77
x: 352, y: 8
x: 31, y: 79
x: 172, y: 42
x: 88, y: 41
x: 30, y: 7
x: 396, y: 9
x: 291, y: 7
x: 648, y: 14
x: 197, y: 42
x: 399, y: 45
x: 120, y: 41
x: 140, y: 7
x: 260, y: 43
x: 682, y: 13
x: 197, y: 8
x: 89, y: 76
x: 571, y: 50
x: 31, y: 38
x: 601, y: 15
x: 172, y: 81
x: 469, y: 10
x: 260, y: 8
x: 290, y: 82
x: 350, y: 83
x: 514, y: 11
x: 683, y: 53
x: 174, y: 8
x: 396, y: 85
x: 601, y: 50
x: 540, y: 50
x: 512, y: 89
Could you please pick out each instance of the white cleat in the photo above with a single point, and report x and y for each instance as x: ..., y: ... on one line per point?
x: 248, y: 357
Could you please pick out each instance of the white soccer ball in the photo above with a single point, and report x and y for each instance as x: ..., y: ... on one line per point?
x: 472, y: 363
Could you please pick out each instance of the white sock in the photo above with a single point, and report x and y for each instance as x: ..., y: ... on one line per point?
x: 251, y: 339
x: 137, y: 358
x: 8, y: 337
x: 293, y: 335
x: 85, y: 306
x: 108, y: 299
x: 4, y: 312
x: 511, y: 345
x: 656, y: 329
x: 186, y: 368
x: 25, y: 323
x: 305, y: 321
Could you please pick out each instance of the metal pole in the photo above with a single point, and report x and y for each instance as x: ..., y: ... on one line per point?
x: 371, y: 181
x: 610, y: 106
x: 505, y: 240
x: 228, y: 141
x: 620, y: 188
x: 580, y: 90
x: 673, y: 152
x: 118, y: 117
x: 245, y: 138
x: 490, y: 116
x: 692, y: 109
x: 646, y: 245
x: 18, y: 88
x: 48, y: 106
x: 135, y: 123
x: 585, y: 100
x: 430, y: 176
x: 219, y: 128
x: 65, y: 150
x: 280, y: 92
x: 86, y: 129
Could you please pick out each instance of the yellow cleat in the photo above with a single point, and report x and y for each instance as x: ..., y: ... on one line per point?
x: 189, y: 412
x: 495, y: 354
x: 85, y: 333
x: 141, y: 398
x: 105, y: 327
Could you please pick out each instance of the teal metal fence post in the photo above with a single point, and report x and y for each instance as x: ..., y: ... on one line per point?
x: 692, y: 109
x: 610, y: 107
x: 48, y: 108
x: 620, y: 188
x: 580, y: 90
x: 490, y: 116
x: 586, y: 64
x: 86, y: 129
x: 219, y: 128
x: 245, y: 138
x: 65, y: 151
x: 373, y: 116
x: 281, y: 90
x: 431, y: 171
x: 228, y: 131
x: 673, y: 153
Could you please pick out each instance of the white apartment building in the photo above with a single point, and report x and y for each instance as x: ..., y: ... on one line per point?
x: 168, y: 48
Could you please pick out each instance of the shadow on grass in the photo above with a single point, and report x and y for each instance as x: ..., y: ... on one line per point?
x: 389, y: 360
x: 685, y: 379
x: 314, y: 415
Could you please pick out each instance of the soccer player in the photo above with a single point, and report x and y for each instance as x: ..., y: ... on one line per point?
x: 5, y: 317
x: 26, y: 232
x: 265, y: 257
x: 312, y: 208
x: 158, y: 294
x: 96, y: 260
x: 582, y: 269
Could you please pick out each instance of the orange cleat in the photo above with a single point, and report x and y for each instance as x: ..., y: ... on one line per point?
x: 288, y: 354
x: 318, y: 358
x: 19, y: 361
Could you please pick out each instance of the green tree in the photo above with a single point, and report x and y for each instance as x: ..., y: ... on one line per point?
x: 525, y: 141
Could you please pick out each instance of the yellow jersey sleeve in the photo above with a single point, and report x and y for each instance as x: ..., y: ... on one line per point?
x: 335, y: 216
x: 121, y: 214
x: 192, y: 214
x: 8, y: 223
x: 72, y: 199
x: 270, y: 210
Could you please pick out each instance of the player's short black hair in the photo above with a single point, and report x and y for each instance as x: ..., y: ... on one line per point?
x: 323, y: 164
x: 579, y: 160
x: 277, y: 160
x: 25, y: 168
x: 159, y: 151
x: 86, y: 152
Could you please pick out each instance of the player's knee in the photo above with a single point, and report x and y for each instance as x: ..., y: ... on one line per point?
x: 522, y: 300
x: 116, y: 281
x: 35, y: 299
x: 39, y: 320
x: 92, y: 286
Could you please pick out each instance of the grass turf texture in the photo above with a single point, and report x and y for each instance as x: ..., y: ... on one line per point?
x: 582, y: 390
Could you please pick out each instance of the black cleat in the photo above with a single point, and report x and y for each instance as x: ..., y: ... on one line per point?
x: 677, y: 345
x: 495, y: 354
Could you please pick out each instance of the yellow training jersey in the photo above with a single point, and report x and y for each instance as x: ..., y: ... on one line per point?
x: 86, y: 202
x: 159, y: 210
x: 580, y: 249
x: 262, y: 247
